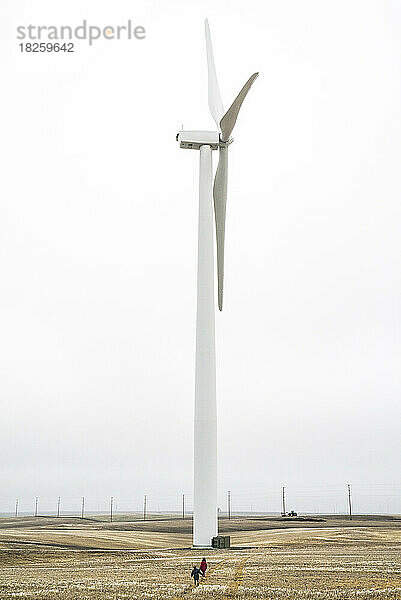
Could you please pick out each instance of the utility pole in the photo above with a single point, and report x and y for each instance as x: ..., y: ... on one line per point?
x: 229, y: 504
x: 58, y: 506
x: 83, y: 507
x: 111, y: 509
x: 349, y: 501
x: 183, y: 506
x: 36, y: 506
x: 284, y: 513
x: 144, y: 507
x: 16, y: 508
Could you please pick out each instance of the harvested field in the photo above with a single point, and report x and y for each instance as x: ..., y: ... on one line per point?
x: 45, y: 559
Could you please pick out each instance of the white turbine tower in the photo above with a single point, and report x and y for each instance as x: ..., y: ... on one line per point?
x: 205, y: 428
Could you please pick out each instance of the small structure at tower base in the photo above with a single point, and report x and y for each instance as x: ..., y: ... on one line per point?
x: 221, y: 541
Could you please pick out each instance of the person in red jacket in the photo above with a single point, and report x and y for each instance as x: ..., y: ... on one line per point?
x: 203, y: 566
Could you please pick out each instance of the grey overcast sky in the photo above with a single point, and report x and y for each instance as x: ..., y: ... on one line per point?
x: 98, y: 223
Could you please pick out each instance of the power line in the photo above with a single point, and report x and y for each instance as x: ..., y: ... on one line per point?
x: 349, y: 501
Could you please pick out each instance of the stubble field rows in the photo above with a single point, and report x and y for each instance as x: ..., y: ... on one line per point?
x: 73, y: 560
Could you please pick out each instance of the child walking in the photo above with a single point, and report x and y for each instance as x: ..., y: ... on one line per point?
x: 203, y: 566
x: 195, y: 574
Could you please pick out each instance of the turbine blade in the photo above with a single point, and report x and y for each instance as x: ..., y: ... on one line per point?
x: 220, y: 201
x: 228, y: 121
x: 214, y: 97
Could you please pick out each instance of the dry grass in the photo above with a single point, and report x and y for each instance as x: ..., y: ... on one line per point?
x: 74, y: 560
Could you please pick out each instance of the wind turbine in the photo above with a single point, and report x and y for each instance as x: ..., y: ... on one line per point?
x: 205, y: 426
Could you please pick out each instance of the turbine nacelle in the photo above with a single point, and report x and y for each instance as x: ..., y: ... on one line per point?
x: 193, y: 140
